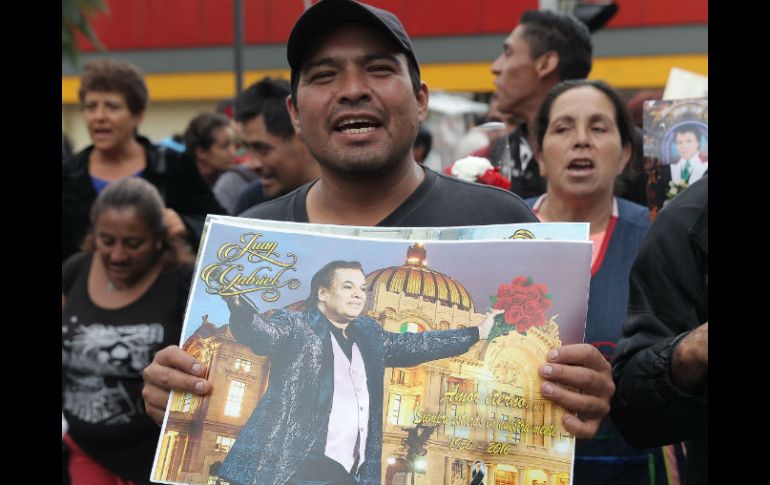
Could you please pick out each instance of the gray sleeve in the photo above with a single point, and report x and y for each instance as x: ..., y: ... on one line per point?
x: 227, y: 189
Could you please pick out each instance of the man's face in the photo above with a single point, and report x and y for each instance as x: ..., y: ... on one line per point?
x: 355, y: 106
x: 282, y: 164
x: 687, y: 144
x: 345, y: 299
x: 516, y: 76
x: 221, y: 154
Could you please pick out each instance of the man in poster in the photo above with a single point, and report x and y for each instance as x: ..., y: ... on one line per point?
x: 320, y: 420
x: 692, y: 164
x: 478, y: 473
x: 689, y: 167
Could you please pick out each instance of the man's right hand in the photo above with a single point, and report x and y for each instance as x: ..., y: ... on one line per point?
x: 690, y: 361
x: 171, y: 369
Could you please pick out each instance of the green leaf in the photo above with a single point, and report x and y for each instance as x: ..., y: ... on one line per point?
x: 529, y: 278
x: 493, y: 298
x: 75, y: 18
x: 499, y: 328
x: 496, y: 331
x: 550, y: 295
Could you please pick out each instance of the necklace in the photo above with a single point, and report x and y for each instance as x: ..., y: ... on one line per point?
x: 112, y: 287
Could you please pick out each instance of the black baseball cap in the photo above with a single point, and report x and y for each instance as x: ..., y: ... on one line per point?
x: 327, y: 14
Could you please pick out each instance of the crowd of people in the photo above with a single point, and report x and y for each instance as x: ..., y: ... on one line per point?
x: 342, y: 142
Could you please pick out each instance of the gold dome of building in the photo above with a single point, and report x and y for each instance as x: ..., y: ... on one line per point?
x: 415, y: 279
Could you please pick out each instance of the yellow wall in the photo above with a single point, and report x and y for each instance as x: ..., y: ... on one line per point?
x: 178, y: 97
x: 621, y: 72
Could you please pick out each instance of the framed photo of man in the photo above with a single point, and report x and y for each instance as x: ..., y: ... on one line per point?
x: 675, y: 147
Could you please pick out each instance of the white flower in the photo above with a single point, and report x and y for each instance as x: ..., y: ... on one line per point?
x: 469, y: 168
x: 674, y: 188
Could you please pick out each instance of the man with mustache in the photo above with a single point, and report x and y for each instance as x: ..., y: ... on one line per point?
x: 357, y: 101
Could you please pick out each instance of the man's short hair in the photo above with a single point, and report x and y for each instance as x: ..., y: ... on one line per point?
x: 105, y: 75
x: 688, y: 129
x: 546, y: 30
x: 200, y: 131
x: 267, y: 98
x: 324, y: 276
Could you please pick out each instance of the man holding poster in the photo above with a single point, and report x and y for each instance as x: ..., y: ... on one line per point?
x: 357, y: 102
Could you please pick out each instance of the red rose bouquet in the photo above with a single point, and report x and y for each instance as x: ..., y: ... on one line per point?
x: 524, y: 304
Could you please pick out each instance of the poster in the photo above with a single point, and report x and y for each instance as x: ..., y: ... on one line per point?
x: 562, y: 231
x: 430, y: 420
x: 675, y: 147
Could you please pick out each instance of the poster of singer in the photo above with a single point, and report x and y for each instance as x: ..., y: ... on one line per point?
x: 393, y: 361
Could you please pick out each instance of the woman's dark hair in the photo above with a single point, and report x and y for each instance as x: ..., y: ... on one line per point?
x: 622, y: 119
x: 200, y: 131
x: 104, y: 75
x: 144, y: 198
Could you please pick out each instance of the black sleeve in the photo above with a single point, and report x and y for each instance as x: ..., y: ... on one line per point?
x: 189, y: 195
x: 70, y: 269
x: 185, y: 282
x: 668, y: 299
x: 182, y: 280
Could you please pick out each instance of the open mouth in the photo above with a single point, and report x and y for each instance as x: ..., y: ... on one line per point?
x: 101, y: 131
x: 580, y: 165
x: 356, y: 126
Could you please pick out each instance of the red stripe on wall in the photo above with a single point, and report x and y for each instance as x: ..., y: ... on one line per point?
x: 158, y: 24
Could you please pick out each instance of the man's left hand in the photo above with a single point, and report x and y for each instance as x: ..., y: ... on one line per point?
x: 583, y: 368
x: 486, y: 325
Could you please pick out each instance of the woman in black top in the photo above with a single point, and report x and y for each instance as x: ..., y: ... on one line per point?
x: 113, y: 98
x: 123, y: 299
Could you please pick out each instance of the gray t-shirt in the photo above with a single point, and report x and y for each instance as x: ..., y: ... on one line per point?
x: 439, y: 201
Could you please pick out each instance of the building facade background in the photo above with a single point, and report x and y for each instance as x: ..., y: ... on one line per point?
x: 185, y: 48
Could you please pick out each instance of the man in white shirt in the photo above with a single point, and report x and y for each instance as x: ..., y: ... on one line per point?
x: 320, y: 421
x: 691, y: 164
